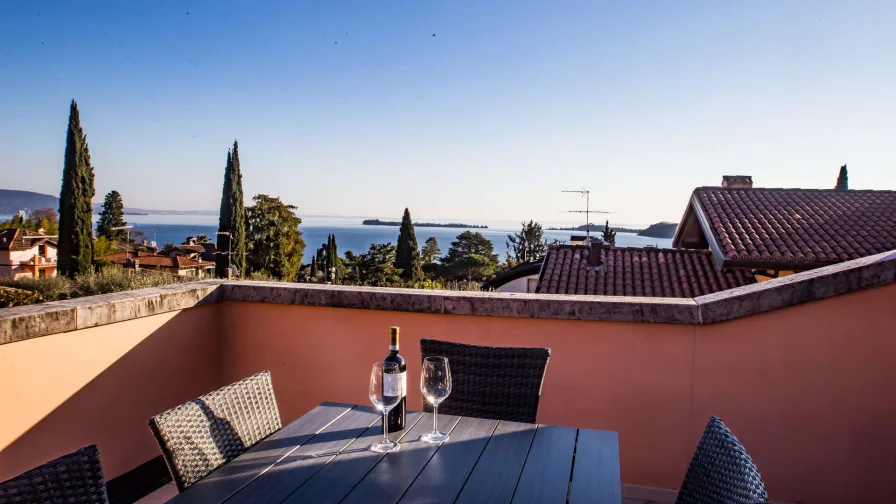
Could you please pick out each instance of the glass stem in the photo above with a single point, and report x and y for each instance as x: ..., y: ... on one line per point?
x: 385, y: 426
x: 435, y: 418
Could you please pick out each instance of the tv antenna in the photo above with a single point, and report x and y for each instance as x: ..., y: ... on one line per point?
x: 587, y: 211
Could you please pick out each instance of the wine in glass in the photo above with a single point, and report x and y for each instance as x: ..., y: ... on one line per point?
x: 435, y: 383
x: 385, y: 392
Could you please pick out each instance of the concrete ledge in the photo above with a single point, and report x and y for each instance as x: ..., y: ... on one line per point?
x: 25, y: 322
x: 21, y: 323
x: 851, y: 276
x: 611, y: 308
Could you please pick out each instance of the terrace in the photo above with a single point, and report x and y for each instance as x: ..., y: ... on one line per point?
x: 801, y: 367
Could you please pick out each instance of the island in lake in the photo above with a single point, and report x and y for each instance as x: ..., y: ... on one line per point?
x: 377, y: 222
x: 658, y: 230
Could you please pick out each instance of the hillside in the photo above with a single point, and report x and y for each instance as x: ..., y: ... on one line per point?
x: 660, y: 230
x: 12, y: 201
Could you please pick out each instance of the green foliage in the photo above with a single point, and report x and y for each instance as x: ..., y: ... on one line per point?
x: 407, y: 255
x: 275, y: 242
x: 112, y: 216
x: 233, y: 247
x: 167, y: 248
x: 326, y: 265
x: 608, y: 235
x: 430, y: 250
x: 202, y: 238
x: 51, y: 288
x: 471, y: 257
x: 42, y: 218
x: 15, y: 297
x: 374, y: 267
x: 529, y: 244
x: 842, y: 180
x: 114, y: 278
x: 75, y: 251
x: 261, y: 276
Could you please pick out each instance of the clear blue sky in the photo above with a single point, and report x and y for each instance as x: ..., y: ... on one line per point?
x: 464, y: 109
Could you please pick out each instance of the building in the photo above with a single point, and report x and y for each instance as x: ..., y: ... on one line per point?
x: 776, y: 232
x: 172, y: 264
x: 24, y: 255
x: 521, y: 278
x: 595, y: 269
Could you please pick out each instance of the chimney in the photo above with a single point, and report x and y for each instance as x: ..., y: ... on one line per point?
x: 594, y: 249
x: 191, y: 240
x: 143, y: 242
x: 737, y: 181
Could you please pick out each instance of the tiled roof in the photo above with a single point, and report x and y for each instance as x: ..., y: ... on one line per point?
x: 16, y: 240
x: 798, y: 225
x: 192, y: 248
x: 156, y: 260
x: 648, y: 272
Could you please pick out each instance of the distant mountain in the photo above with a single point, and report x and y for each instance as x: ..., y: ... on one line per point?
x: 12, y: 201
x: 660, y: 230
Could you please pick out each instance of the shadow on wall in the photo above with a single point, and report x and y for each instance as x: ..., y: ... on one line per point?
x: 177, y: 362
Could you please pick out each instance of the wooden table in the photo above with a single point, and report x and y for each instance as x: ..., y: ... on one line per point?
x: 323, y: 457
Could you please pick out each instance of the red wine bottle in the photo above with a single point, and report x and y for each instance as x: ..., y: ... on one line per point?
x: 396, y: 419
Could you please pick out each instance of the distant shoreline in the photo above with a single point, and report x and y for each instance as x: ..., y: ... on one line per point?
x: 377, y: 222
x: 659, y: 230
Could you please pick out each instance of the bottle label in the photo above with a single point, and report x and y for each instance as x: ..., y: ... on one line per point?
x: 392, y: 384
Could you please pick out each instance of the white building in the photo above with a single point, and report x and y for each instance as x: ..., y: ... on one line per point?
x: 24, y: 255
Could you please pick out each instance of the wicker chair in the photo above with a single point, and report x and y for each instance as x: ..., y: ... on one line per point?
x: 499, y: 383
x: 198, y: 437
x: 69, y: 479
x: 721, y: 471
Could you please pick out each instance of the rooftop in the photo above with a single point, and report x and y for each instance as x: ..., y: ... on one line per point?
x: 19, y: 240
x: 648, y: 272
x: 788, y: 228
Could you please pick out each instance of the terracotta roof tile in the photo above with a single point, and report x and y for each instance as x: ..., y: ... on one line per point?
x: 17, y: 240
x: 647, y: 272
x: 799, y: 225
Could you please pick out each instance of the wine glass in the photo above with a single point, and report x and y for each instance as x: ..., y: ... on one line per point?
x: 385, y: 392
x: 435, y: 383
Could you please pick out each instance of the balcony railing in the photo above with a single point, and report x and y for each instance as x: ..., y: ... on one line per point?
x: 801, y: 368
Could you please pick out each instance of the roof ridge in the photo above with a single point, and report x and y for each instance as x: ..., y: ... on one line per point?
x: 837, y: 191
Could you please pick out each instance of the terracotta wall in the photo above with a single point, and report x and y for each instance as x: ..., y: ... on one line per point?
x: 809, y: 389
x: 101, y: 385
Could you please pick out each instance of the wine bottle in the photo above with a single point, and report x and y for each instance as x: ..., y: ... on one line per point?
x: 396, y: 418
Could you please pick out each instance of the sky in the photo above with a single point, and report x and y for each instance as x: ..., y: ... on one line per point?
x: 456, y: 109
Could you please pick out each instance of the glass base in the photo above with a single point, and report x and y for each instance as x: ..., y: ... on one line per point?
x: 385, y: 446
x: 434, y: 437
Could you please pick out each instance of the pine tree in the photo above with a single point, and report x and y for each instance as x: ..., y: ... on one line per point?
x: 112, y: 216
x: 232, y: 219
x: 407, y: 256
x: 842, y: 180
x: 431, y: 250
x: 529, y: 244
x: 75, y: 246
x: 608, y: 235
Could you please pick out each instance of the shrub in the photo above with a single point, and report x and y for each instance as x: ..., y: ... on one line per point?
x: 10, y: 297
x: 48, y: 288
x: 116, y: 279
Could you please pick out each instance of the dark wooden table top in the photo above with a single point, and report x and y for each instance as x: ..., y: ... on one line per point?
x: 323, y: 457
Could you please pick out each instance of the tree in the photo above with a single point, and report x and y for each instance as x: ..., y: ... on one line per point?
x: 232, y: 218
x: 842, y: 180
x: 470, y: 243
x: 168, y: 248
x: 407, y: 255
x: 431, y: 250
x: 529, y: 244
x: 46, y: 219
x: 608, y: 235
x: 275, y: 242
x: 112, y: 216
x: 202, y: 238
x: 374, y: 267
x: 75, y: 243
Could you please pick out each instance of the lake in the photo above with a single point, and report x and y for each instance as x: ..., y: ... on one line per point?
x: 352, y: 235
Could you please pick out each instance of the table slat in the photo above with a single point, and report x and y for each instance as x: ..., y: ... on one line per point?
x: 239, y: 472
x: 445, y: 474
x: 282, y: 479
x: 545, y: 477
x: 495, y: 475
x: 337, y: 478
x: 387, y: 482
x: 595, y: 477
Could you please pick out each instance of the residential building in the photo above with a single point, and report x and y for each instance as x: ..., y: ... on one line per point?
x: 521, y: 278
x: 171, y: 264
x: 776, y: 232
x: 24, y: 255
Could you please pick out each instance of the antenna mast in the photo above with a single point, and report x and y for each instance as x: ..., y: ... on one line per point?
x: 587, y: 211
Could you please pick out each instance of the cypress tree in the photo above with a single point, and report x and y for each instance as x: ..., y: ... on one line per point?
x: 407, y: 256
x: 314, y: 267
x: 75, y: 246
x: 334, y: 258
x: 112, y: 216
x: 232, y: 218
x: 842, y: 180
